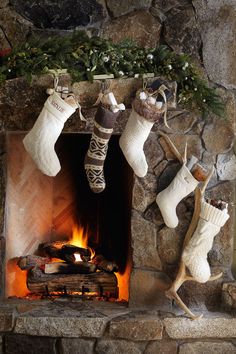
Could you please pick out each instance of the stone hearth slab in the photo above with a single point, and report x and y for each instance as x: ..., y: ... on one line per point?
x: 78, y: 319
x: 212, y: 325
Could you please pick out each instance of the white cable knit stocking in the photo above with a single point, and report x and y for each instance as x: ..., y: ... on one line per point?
x: 195, y: 253
x: 40, y: 141
x: 168, y: 199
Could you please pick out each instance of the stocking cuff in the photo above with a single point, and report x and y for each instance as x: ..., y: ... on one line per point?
x: 149, y: 111
x: 186, y: 176
x: 58, y: 107
x: 105, y: 117
x: 212, y: 214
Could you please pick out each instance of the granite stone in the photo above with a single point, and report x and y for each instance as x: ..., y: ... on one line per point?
x: 136, y: 327
x: 134, y: 26
x: 147, y: 288
x: 112, y: 346
x: 162, y: 347
x: 21, y: 344
x: 217, y: 23
x: 61, y: 321
x: 212, y: 136
x: 207, y: 347
x: 122, y: 7
x: 179, y: 140
x: 77, y: 346
x: 217, y: 326
x: 62, y: 14
x: 144, y: 245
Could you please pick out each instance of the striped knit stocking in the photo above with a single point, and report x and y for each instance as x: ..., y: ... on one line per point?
x: 94, y: 160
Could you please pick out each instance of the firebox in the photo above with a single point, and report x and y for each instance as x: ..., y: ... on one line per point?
x: 62, y: 238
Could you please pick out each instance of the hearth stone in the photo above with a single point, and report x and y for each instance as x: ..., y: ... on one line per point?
x: 207, y: 347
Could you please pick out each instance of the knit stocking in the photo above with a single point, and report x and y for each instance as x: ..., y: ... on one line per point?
x: 40, y: 141
x: 195, y: 253
x: 145, y: 113
x: 94, y: 160
x: 182, y: 185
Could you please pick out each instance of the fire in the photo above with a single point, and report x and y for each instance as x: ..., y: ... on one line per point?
x: 80, y: 239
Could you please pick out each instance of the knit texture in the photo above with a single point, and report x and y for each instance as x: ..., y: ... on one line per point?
x: 182, y: 185
x: 132, y: 140
x: 94, y: 160
x: 195, y: 253
x: 41, y: 139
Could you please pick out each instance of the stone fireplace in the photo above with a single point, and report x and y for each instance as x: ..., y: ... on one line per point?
x: 36, y: 208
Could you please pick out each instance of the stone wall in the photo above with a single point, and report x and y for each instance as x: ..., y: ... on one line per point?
x: 205, y: 30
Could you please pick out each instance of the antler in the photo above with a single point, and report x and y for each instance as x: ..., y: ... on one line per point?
x: 182, y: 275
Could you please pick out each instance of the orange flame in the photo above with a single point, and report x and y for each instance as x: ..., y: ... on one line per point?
x: 80, y: 239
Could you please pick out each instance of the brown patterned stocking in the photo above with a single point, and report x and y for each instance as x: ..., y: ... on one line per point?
x: 94, y: 160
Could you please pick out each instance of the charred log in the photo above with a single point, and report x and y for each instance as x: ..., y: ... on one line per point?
x: 64, y: 251
x: 104, y: 264
x: 65, y: 268
x: 31, y: 261
x: 98, y: 282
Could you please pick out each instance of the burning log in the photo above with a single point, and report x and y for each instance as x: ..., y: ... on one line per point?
x: 99, y: 282
x: 104, y: 264
x: 65, y: 268
x: 31, y: 261
x: 64, y: 251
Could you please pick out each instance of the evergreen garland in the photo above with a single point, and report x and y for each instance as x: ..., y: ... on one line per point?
x: 84, y: 57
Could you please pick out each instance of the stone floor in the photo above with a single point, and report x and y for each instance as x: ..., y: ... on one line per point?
x: 61, y: 327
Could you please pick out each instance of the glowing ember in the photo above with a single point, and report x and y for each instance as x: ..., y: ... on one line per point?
x: 80, y: 238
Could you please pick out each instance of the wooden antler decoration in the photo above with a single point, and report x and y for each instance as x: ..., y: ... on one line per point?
x: 182, y: 275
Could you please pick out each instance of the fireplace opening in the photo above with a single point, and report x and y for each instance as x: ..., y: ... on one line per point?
x: 70, y: 240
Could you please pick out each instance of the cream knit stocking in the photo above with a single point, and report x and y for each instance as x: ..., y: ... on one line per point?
x: 40, y: 141
x: 145, y: 113
x: 182, y: 185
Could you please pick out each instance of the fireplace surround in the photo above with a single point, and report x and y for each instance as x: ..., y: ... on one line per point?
x: 149, y: 317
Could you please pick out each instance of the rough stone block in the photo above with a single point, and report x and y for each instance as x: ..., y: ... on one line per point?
x: 122, y: 7
x: 229, y: 296
x: 144, y: 245
x: 153, y: 151
x: 222, y: 251
x: 137, y: 326
x: 110, y: 346
x: 57, y: 321
x: 60, y: 15
x: 180, y: 121
x: 147, y: 288
x: 215, y: 325
x: 213, y: 133
x: 144, y: 191
x: 20, y: 344
x: 6, y: 319
x: 77, y: 346
x: 134, y: 26
x: 170, y: 241
x: 188, y: 39
x: 207, y: 347
x: 226, y: 166
x: 193, y: 141
x: 15, y: 27
x: 217, y: 22
x: 168, y: 347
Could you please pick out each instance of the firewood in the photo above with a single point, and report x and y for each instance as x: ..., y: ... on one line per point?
x: 64, y: 251
x: 39, y: 282
x: 31, y: 261
x: 65, y: 268
x: 104, y: 264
